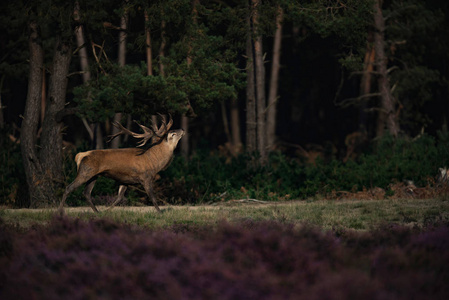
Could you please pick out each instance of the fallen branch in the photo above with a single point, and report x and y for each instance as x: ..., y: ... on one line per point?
x: 249, y: 200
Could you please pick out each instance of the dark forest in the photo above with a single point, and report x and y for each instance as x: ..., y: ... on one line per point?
x: 279, y: 99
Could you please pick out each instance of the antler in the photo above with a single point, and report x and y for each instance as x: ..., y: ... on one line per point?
x: 148, y: 132
x: 164, y: 128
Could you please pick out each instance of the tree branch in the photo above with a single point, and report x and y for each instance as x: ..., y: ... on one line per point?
x: 65, y: 112
x: 351, y: 101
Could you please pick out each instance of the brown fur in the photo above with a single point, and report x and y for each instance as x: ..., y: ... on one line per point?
x: 127, y: 166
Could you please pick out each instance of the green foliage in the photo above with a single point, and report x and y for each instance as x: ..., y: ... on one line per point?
x: 127, y: 89
x: 415, y: 87
x: 199, y: 69
x: 111, y: 92
x: 210, y: 177
x: 348, y: 21
x: 12, y: 177
x: 413, y: 30
x: 390, y: 160
x: 211, y: 75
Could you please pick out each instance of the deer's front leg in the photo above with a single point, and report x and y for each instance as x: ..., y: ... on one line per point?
x: 148, y: 185
x: 120, y: 196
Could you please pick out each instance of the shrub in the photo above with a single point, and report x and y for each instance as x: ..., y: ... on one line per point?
x: 207, y: 177
x: 72, y: 259
x: 12, y: 175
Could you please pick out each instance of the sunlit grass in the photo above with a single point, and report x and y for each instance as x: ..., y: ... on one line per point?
x: 328, y: 214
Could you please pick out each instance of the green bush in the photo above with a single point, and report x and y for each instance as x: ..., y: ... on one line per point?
x: 12, y: 176
x: 388, y: 160
x: 209, y: 177
x: 399, y: 159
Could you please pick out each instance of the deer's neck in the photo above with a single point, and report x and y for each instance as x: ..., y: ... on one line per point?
x: 159, y: 156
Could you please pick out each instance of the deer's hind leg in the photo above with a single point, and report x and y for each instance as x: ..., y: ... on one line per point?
x: 70, y: 188
x: 87, y: 193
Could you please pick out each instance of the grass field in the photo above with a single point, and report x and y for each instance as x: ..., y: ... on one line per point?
x: 327, y: 214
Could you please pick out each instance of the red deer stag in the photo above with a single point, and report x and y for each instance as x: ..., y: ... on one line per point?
x: 128, y: 165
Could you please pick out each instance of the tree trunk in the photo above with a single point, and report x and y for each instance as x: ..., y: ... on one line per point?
x: 272, y: 97
x: 2, y: 120
x: 387, y: 116
x: 235, y: 127
x: 122, y: 35
x: 44, y: 95
x: 368, y: 68
x: 185, y: 145
x: 365, y: 82
x: 93, y: 130
x: 51, y: 138
x: 80, y: 42
x: 149, y: 53
x: 115, y: 143
x: 251, y: 125
x: 28, y: 132
x: 260, y: 85
x: 162, y: 47
x: 185, y: 138
x: 44, y: 169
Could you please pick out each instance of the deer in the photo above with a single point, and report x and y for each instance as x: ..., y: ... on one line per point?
x: 128, y: 166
